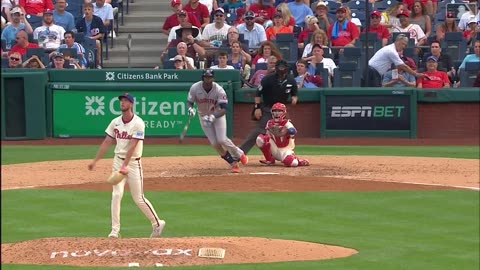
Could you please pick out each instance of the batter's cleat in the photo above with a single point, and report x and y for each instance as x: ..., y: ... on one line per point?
x: 114, y: 234
x: 267, y: 162
x: 303, y: 162
x: 235, y: 168
x: 157, y: 229
x: 244, y: 159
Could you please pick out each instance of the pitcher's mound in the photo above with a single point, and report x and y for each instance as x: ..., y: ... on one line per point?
x: 165, y: 251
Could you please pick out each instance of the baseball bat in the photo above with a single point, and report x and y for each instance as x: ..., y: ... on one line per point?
x: 184, y: 131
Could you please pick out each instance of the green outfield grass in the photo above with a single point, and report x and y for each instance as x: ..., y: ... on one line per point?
x: 424, y: 230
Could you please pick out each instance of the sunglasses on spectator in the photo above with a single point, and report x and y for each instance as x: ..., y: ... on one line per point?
x: 14, y: 59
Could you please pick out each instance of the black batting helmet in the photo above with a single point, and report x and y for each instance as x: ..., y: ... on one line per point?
x: 207, y: 73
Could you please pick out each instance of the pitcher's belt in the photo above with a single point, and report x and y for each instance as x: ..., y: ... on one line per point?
x: 124, y: 158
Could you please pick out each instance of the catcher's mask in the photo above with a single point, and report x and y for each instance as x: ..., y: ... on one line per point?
x: 279, y: 111
x: 281, y: 68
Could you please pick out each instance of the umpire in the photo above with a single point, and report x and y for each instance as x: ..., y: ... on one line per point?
x: 275, y: 87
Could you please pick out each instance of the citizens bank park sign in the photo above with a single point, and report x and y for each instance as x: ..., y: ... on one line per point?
x: 120, y: 253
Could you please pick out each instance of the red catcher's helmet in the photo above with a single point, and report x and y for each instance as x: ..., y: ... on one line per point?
x: 279, y: 111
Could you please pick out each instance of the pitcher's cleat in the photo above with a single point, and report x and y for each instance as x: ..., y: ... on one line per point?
x: 157, y: 229
x: 244, y: 159
x: 114, y: 234
x: 303, y: 162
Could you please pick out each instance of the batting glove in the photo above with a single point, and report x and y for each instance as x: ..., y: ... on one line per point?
x: 208, y: 119
x: 191, y: 111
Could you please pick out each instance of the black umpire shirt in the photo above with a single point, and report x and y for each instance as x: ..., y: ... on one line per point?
x: 273, y: 90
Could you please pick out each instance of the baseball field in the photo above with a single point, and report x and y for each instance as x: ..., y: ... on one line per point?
x: 356, y: 207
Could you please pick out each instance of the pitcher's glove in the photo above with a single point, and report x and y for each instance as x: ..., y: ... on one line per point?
x: 208, y: 119
x: 115, y: 178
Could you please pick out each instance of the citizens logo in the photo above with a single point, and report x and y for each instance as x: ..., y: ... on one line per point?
x: 94, y: 105
x: 367, y: 111
x: 109, y: 76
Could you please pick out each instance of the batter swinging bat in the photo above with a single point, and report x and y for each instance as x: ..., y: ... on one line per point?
x: 184, y: 131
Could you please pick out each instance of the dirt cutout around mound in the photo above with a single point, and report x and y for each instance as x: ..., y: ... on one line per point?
x: 340, y: 173
x: 165, y: 251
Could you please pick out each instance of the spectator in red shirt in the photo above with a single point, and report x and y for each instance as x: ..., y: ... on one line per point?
x: 172, y: 20
x: 342, y: 32
x: 312, y: 26
x: 264, y: 10
x: 376, y: 27
x: 199, y: 10
x: 433, y: 77
x: 35, y: 7
x: 22, y: 43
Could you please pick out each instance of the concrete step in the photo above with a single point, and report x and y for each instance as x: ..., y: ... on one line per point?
x: 136, y: 62
x: 140, y: 39
x: 141, y: 51
x: 146, y: 18
x: 147, y: 7
x: 142, y: 27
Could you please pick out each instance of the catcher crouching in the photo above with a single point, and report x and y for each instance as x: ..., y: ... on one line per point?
x: 279, y: 141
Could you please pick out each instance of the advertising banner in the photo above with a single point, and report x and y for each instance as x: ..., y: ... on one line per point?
x: 367, y: 112
x: 88, y: 113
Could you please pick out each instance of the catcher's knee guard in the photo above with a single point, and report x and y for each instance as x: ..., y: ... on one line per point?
x: 263, y: 140
x: 290, y: 161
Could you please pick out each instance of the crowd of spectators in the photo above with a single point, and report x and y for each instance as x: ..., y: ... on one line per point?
x: 44, y: 31
x: 315, y: 36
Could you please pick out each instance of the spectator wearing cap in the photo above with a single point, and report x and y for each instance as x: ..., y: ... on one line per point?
x: 401, y: 79
x: 317, y: 58
x: 465, y: 19
x: 180, y: 62
x: 183, y: 18
x: 62, y: 17
x: 49, y: 35
x: 59, y: 61
x: 22, y: 43
x: 444, y: 60
x: 299, y: 11
x: 305, y: 79
x: 321, y: 12
x: 176, y: 18
x: 93, y: 28
x: 420, y: 16
x: 318, y: 37
x: 312, y: 26
x: 263, y: 10
x: 18, y: 23
x: 199, y: 10
x: 35, y: 7
x: 342, y: 32
x: 214, y: 33
x: 277, y: 27
x: 375, y: 27
x: 382, y: 61
x: 187, y: 34
x: 287, y: 16
x: 231, y: 6
x: 470, y: 34
x: 415, y: 30
x: 433, y: 78
x: 252, y: 31
x: 14, y: 60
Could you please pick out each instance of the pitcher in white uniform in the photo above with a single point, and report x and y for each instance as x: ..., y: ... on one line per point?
x: 128, y: 130
x: 212, y: 104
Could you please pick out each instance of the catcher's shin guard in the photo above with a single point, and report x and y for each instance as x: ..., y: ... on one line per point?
x: 263, y: 142
x: 290, y: 161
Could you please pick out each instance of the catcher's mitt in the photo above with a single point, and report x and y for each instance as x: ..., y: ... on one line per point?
x: 115, y: 178
x: 277, y: 131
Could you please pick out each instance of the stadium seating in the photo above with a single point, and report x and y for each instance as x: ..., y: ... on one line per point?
x: 469, y: 74
x: 347, y: 75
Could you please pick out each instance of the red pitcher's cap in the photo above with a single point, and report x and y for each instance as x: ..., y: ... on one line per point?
x: 175, y: 2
